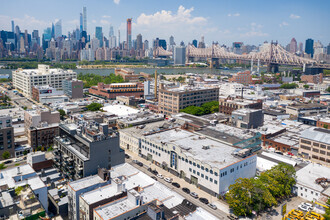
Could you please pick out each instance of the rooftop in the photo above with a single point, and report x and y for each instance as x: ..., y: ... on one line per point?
x: 186, y: 88
x: 307, y: 175
x: 200, y: 214
x: 85, y: 182
x: 317, y: 134
x: 120, y: 110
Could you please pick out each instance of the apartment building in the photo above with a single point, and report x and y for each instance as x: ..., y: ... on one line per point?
x: 172, y: 100
x: 25, y: 79
x: 83, y: 147
x: 41, y: 127
x: 314, y: 144
x: 6, y: 135
x: 229, y: 104
x: 111, y: 91
x: 242, y: 77
x: 73, y: 88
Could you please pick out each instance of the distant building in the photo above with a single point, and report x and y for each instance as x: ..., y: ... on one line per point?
x: 306, y: 109
x: 129, y: 74
x: 229, y: 104
x: 7, y: 143
x: 73, y: 88
x: 293, y: 46
x: 195, y: 43
x: 247, y: 118
x: 242, y: 77
x: 179, y: 56
x: 316, y: 79
x: 24, y: 80
x: 172, y: 100
x: 314, y: 145
x: 309, y: 47
x: 111, y: 91
x: 99, y: 35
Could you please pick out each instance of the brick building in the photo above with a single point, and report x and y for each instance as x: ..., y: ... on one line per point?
x: 229, y: 104
x: 111, y: 91
x: 242, y: 77
x: 323, y: 123
x: 316, y: 79
x: 129, y: 74
x: 6, y: 135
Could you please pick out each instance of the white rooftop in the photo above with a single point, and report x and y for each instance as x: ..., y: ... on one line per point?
x: 85, y: 182
x: 120, y: 110
x: 200, y: 214
x: 218, y: 155
x: 317, y: 134
x: 307, y: 175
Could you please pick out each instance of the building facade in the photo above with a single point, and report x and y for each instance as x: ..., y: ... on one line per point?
x: 229, y: 104
x: 247, y: 118
x: 172, y: 100
x: 7, y: 143
x: 73, y: 88
x: 242, y: 77
x: 24, y: 80
x: 111, y: 91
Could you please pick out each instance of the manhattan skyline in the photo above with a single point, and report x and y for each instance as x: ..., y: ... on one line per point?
x: 252, y: 22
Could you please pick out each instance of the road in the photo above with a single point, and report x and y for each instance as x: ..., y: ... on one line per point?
x: 218, y: 213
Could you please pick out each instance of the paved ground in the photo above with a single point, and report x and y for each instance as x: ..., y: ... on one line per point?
x: 223, y: 208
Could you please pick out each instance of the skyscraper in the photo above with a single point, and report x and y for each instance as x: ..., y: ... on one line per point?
x: 179, y: 55
x: 293, y: 45
x: 301, y: 47
x: 146, y: 45
x: 12, y: 26
x: 139, y: 45
x: 53, y: 30
x: 85, y: 19
x: 99, y: 35
x: 309, y: 47
x: 111, y: 32
x: 194, y: 42
x: 81, y: 23
x: 129, y: 34
x: 58, y: 29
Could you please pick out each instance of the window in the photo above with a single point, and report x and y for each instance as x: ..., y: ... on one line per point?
x: 211, y: 171
x: 194, y: 164
x: 202, y: 168
x: 202, y: 175
x: 198, y: 173
x: 216, y: 182
x: 198, y: 166
x: 194, y: 171
x: 206, y: 177
x: 215, y: 173
x: 190, y: 169
x: 190, y: 162
x: 206, y: 169
x: 211, y: 180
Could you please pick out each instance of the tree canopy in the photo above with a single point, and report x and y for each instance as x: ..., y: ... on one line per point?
x: 94, y: 106
x: 91, y: 79
x: 206, y: 108
x: 256, y: 194
x: 289, y: 86
x: 5, y: 155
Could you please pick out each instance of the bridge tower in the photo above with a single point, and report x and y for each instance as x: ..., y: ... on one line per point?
x: 272, y: 66
x: 215, y: 62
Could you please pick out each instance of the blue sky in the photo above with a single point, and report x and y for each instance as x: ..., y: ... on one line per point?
x: 225, y: 21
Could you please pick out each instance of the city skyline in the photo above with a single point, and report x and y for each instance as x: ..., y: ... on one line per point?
x: 251, y: 23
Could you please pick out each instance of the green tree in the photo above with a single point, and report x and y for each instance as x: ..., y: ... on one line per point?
x: 326, y: 215
x: 5, y: 155
x: 62, y: 112
x: 94, y: 106
x: 325, y: 126
x: 289, y: 86
x: 328, y: 89
x: 2, y: 166
x: 306, y: 86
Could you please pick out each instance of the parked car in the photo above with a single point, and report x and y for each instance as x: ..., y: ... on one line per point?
x: 135, y: 161
x: 155, y: 178
x: 160, y: 176
x: 308, y: 205
x: 155, y: 172
x: 231, y: 216
x: 203, y: 200
x: 177, y: 185
x: 212, y: 206
x: 127, y: 156
x: 168, y: 179
x: 140, y: 164
x: 186, y: 190
x: 303, y: 208
x: 18, y: 159
x: 8, y: 161
x: 194, y: 195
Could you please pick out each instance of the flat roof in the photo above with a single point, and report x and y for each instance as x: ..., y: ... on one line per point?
x: 85, y: 182
x: 99, y: 194
x: 200, y: 214
x: 218, y: 155
x: 308, y: 174
x: 317, y: 134
x: 120, y: 110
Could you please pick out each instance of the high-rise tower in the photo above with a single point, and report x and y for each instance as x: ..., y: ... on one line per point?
x: 129, y: 34
x: 81, y: 25
x: 293, y: 46
x: 309, y: 47
x: 84, y: 19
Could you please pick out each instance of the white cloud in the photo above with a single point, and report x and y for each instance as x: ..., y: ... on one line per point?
x: 106, y: 16
x: 293, y: 16
x: 163, y: 23
x: 234, y: 15
x: 104, y: 22
x: 116, y: 1
x: 284, y: 24
x: 255, y: 30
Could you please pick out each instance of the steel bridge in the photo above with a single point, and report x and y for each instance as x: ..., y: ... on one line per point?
x: 271, y: 54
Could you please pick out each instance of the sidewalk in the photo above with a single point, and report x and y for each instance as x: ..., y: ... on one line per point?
x: 220, y: 204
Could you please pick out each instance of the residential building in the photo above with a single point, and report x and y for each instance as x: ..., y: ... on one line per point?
x: 7, y: 143
x: 48, y: 94
x: 198, y: 157
x: 311, y: 183
x: 315, y: 145
x: 24, y: 80
x: 247, y: 118
x: 78, y: 187
x: 242, y: 77
x: 41, y: 126
x: 73, y: 88
x: 129, y: 34
x: 172, y: 99
x: 84, y: 146
x: 229, y: 104
x: 309, y: 109
x: 111, y: 91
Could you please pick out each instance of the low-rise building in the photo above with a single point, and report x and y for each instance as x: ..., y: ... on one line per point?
x: 229, y: 104
x: 83, y: 147
x: 242, y: 77
x: 111, y: 91
x: 323, y: 123
x: 316, y: 79
x: 315, y: 145
x: 172, y: 99
x: 309, y: 109
x: 247, y: 118
x: 48, y: 94
x: 129, y: 74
